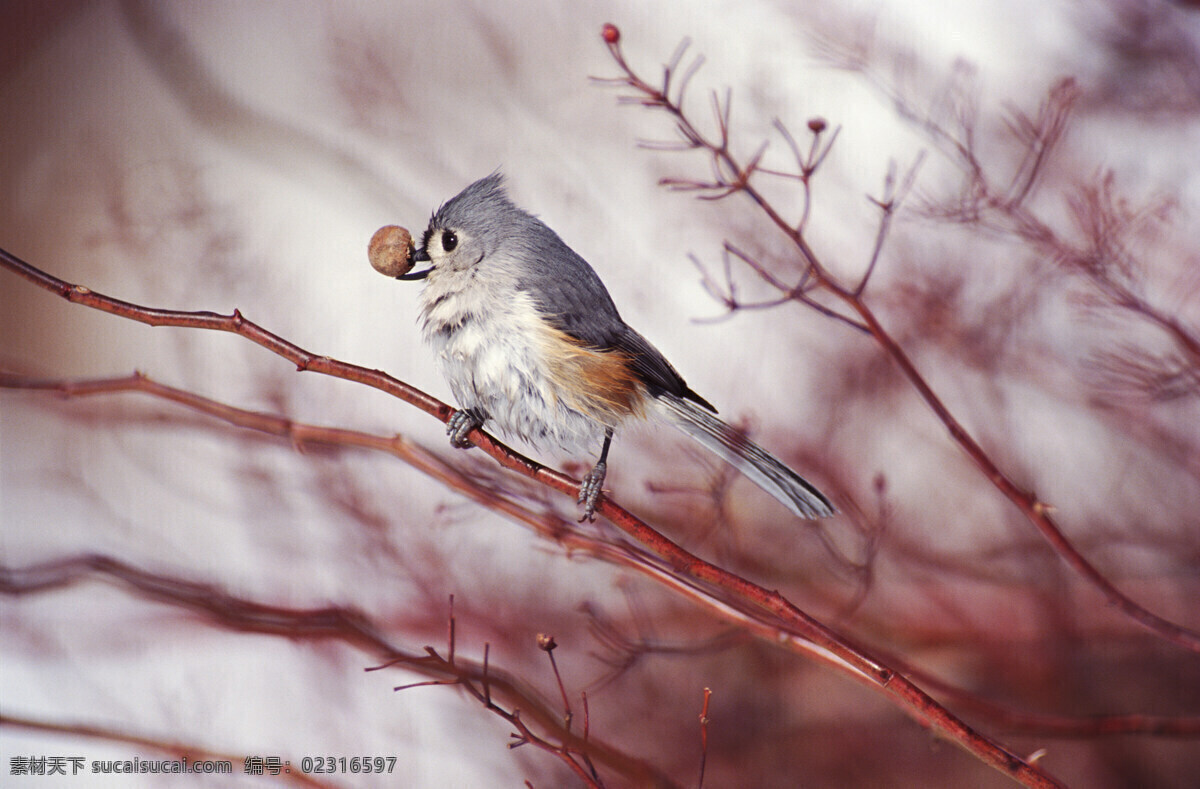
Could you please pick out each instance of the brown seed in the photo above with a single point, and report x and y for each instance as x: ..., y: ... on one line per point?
x: 391, y: 251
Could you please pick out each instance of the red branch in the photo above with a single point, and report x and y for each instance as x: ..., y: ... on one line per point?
x: 350, y: 626
x: 740, y: 594
x: 734, y: 177
x: 566, y: 533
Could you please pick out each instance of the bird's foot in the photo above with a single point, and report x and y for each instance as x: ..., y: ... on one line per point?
x: 590, y: 490
x: 463, y: 422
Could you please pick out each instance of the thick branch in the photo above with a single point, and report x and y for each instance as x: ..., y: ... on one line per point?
x: 741, y: 593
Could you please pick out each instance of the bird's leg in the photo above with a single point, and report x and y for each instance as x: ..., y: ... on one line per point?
x: 463, y: 422
x: 593, y: 482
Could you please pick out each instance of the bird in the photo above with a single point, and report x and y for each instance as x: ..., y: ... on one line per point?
x: 529, y: 340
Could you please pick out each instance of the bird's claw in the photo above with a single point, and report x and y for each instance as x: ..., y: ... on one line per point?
x: 461, y: 424
x: 590, y: 490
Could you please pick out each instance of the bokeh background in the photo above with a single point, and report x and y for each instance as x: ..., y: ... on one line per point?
x: 219, y: 155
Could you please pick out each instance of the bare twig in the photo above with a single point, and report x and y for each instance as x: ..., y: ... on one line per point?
x: 299, y: 435
x: 891, y: 199
x: 349, y: 626
x: 746, y: 598
x: 703, y: 737
x: 547, y: 644
x: 1036, y: 511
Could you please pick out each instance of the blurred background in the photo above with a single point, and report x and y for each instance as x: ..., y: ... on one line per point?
x: 227, y: 155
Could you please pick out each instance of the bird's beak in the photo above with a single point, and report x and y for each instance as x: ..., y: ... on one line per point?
x: 420, y: 256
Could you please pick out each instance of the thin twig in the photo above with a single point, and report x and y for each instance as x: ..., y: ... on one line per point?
x: 548, y: 645
x: 853, y: 658
x: 55, y: 575
x: 343, y: 624
x: 1037, y: 512
x: 703, y: 737
x: 450, y: 637
x: 888, y: 204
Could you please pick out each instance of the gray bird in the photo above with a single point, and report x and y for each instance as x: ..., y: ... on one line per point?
x: 529, y: 339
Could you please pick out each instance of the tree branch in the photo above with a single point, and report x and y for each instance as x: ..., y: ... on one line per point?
x: 743, y: 595
x: 1035, y: 511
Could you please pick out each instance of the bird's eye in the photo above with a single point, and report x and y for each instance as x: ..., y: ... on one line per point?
x: 449, y: 240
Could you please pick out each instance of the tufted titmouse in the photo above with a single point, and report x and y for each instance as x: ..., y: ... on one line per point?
x: 528, y: 338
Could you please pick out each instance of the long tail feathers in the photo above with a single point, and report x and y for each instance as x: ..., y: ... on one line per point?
x: 760, y: 466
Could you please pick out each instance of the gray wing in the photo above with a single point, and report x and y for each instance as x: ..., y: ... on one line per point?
x: 573, y: 299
